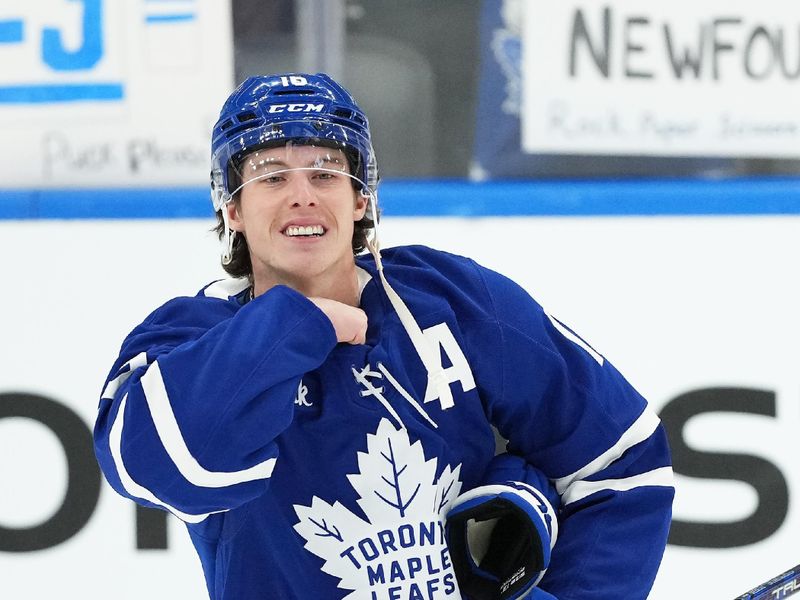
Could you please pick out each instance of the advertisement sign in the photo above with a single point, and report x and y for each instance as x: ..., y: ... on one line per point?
x: 712, y: 78
x: 102, y: 93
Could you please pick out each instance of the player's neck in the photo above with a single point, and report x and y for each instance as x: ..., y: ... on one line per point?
x: 340, y: 285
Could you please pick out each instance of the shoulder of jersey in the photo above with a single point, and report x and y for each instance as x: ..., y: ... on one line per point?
x: 211, y: 303
x: 416, y: 257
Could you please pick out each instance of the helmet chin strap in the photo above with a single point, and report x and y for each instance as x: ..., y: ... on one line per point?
x: 228, y: 234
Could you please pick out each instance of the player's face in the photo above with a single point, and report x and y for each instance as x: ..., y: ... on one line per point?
x: 297, y: 210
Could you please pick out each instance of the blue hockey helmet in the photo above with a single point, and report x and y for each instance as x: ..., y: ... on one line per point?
x: 271, y: 110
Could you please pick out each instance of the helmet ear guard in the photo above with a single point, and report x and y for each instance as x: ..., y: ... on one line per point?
x: 219, y: 196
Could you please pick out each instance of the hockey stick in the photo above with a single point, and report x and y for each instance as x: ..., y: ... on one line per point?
x: 782, y: 586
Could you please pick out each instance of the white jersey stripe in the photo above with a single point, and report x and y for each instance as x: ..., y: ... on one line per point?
x: 133, y: 488
x: 575, y: 339
x: 167, y: 427
x: 581, y: 489
x: 639, y: 431
x: 137, y: 361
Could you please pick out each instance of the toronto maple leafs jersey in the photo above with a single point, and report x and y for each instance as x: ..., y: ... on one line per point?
x: 306, y: 469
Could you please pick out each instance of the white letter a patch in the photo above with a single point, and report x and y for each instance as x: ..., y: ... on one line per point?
x: 441, y: 339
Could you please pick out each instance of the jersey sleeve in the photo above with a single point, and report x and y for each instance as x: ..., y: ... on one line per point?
x: 190, y: 412
x: 567, y: 411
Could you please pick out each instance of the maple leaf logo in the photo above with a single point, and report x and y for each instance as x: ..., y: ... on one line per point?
x: 400, y: 551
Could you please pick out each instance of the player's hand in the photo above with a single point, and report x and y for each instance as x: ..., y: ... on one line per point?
x: 501, y: 534
x: 349, y: 322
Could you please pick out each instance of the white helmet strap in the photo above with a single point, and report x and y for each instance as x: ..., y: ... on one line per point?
x: 228, y: 235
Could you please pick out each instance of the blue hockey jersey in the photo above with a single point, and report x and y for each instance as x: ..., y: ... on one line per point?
x: 307, y: 469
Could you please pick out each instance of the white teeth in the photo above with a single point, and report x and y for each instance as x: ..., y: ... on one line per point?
x: 299, y: 230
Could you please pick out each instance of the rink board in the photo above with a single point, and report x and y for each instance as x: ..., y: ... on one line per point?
x: 680, y: 304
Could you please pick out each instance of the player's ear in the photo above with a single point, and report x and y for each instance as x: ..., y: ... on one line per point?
x: 234, y: 218
x: 360, y: 207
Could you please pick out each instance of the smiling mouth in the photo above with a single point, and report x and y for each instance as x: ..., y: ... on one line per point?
x: 304, y: 231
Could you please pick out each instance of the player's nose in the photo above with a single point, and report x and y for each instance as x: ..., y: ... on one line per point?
x: 302, y: 191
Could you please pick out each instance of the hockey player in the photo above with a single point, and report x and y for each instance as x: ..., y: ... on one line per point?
x: 322, y: 421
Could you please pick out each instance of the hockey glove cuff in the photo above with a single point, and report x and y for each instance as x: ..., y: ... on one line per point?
x: 500, y: 538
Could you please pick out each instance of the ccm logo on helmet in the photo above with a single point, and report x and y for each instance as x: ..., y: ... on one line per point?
x: 302, y: 107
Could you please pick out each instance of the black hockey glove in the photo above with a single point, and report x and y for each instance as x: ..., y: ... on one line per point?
x: 500, y: 536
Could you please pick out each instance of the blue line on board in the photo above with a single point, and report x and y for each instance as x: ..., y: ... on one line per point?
x: 67, y: 92
x: 446, y: 198
x: 11, y: 32
x: 170, y: 18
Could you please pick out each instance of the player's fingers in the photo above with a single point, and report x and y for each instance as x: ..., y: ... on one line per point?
x: 360, y: 327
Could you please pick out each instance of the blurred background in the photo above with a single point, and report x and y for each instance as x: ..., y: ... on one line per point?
x: 634, y: 165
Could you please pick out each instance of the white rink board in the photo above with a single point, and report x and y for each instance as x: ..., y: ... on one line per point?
x: 676, y: 304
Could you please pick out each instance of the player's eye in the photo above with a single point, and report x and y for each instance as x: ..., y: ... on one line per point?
x: 272, y: 179
x: 326, y: 176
